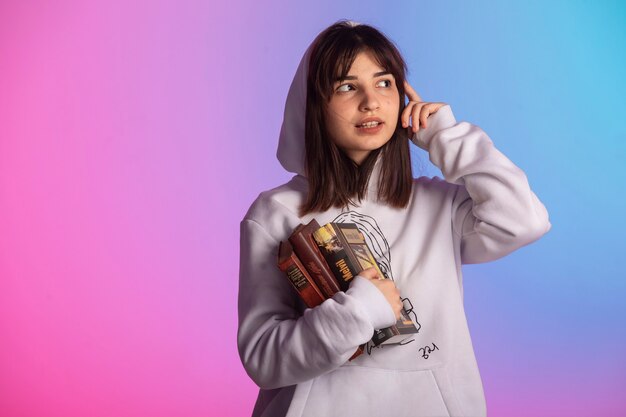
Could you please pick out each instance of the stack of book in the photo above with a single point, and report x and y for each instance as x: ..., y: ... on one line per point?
x: 320, y: 261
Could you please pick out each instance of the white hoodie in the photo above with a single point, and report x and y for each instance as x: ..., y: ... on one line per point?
x: 298, y: 356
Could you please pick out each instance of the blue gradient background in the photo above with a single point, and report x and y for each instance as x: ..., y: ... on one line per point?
x: 134, y: 136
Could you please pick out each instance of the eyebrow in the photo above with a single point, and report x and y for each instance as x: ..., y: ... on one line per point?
x: 352, y: 77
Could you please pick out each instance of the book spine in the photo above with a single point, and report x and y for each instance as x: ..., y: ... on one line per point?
x: 298, y: 276
x: 353, y: 239
x: 308, y: 252
x: 336, y: 255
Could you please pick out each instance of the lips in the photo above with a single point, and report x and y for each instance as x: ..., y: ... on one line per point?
x: 370, y: 119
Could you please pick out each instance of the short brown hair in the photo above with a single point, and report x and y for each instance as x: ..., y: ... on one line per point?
x: 334, y: 179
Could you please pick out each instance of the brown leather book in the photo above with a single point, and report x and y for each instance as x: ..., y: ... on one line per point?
x: 307, y: 251
x: 299, y: 277
x: 359, y: 350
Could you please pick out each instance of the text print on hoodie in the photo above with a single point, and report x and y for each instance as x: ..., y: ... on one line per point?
x: 482, y: 210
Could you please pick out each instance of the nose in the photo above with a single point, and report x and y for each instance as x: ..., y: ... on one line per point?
x: 369, y: 101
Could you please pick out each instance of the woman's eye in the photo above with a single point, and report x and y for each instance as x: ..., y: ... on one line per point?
x: 344, y: 87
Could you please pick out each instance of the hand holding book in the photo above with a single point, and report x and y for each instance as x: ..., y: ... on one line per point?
x: 385, y: 286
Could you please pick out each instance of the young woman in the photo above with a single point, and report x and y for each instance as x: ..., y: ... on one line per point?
x: 345, y: 135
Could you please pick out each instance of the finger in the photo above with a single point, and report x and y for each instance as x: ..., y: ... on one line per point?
x: 406, y: 113
x: 424, y: 115
x: 410, y: 92
x: 398, y: 312
x: 415, y: 115
x: 369, y: 273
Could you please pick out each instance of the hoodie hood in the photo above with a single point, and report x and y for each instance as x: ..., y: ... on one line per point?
x: 291, y: 149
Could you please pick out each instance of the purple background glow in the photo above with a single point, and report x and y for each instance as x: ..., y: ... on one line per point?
x: 135, y: 135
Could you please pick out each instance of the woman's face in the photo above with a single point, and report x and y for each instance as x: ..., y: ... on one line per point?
x: 369, y: 93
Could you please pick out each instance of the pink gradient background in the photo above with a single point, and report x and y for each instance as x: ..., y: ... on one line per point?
x: 134, y: 136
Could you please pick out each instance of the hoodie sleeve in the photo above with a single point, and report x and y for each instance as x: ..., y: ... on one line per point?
x: 494, y: 211
x: 277, y: 346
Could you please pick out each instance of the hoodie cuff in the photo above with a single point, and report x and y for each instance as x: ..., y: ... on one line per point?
x: 441, y: 119
x: 373, y: 302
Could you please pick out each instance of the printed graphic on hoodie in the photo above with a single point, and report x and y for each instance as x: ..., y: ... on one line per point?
x: 379, y: 246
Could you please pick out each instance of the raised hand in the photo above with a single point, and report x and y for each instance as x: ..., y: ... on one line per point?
x: 417, y: 110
